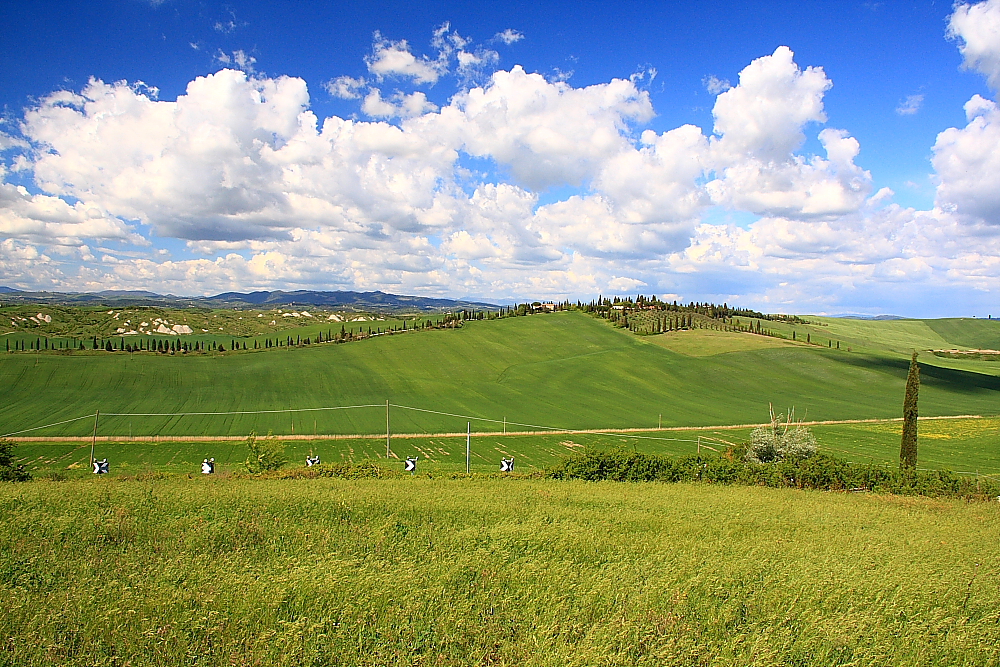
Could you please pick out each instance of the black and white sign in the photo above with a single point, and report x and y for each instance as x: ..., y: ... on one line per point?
x: 101, y: 467
x: 411, y: 464
x: 312, y: 461
x: 507, y: 465
x: 208, y: 467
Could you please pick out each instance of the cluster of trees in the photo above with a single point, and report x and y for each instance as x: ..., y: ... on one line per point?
x: 522, y: 309
x: 38, y: 343
x: 655, y: 322
x: 649, y: 315
x: 709, y: 310
x: 652, y: 325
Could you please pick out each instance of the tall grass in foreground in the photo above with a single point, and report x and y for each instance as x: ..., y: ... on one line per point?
x: 470, y: 571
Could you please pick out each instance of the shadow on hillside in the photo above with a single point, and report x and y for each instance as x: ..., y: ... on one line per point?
x: 948, y: 379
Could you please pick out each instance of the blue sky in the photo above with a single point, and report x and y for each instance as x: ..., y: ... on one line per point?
x: 508, y: 151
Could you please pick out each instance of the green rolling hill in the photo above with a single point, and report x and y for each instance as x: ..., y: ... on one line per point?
x: 565, y: 370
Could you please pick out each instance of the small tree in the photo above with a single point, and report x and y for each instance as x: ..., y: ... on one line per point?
x: 264, y: 454
x: 10, y: 471
x: 908, y: 445
x: 780, y: 440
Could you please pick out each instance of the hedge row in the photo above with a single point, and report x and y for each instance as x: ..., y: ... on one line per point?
x: 820, y: 471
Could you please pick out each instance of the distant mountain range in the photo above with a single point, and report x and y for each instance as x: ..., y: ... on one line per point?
x: 352, y: 301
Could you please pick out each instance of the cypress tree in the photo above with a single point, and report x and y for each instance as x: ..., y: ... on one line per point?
x: 908, y: 445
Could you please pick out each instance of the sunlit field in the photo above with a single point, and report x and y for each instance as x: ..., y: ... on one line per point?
x: 224, y: 571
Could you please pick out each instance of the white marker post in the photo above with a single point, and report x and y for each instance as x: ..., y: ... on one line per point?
x: 93, y: 443
x: 468, y: 444
x: 388, y: 448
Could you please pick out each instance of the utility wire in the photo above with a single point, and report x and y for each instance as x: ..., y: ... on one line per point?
x: 233, y: 412
x: 38, y: 428
x: 554, y: 429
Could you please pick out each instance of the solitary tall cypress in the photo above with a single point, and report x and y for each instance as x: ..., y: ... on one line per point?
x: 908, y: 446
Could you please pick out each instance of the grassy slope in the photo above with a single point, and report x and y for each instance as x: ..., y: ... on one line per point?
x: 421, y: 572
x: 565, y: 370
x: 969, y: 333
x: 898, y: 338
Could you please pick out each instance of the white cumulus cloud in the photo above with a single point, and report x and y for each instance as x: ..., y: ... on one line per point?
x: 546, y: 133
x: 508, y: 36
x: 715, y: 85
x: 399, y: 105
x: 46, y: 219
x: 395, y: 59
x: 759, y: 126
x: 910, y: 105
x: 967, y: 162
x: 345, y: 87
x: 977, y: 29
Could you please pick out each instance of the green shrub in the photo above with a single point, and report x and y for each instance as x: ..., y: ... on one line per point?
x: 10, y: 471
x: 264, y: 454
x: 820, y: 471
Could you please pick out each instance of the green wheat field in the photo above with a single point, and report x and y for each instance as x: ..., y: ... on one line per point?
x: 506, y: 572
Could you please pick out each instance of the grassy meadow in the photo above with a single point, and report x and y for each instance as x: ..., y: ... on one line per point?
x: 415, y: 571
x: 564, y: 370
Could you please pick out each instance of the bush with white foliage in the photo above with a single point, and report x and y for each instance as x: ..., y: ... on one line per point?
x: 780, y: 440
